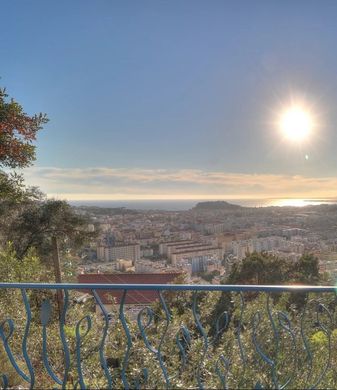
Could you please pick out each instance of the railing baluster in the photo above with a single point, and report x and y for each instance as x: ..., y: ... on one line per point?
x: 320, y: 308
x: 4, y: 381
x: 79, y: 338
x: 238, y: 331
x: 183, y: 345
x: 5, y: 338
x: 222, y: 364
x: 156, y: 351
x: 104, y: 336
x: 25, y: 337
x: 285, y: 324
x: 64, y: 339
x: 129, y: 341
x: 276, y: 340
x: 46, y: 313
x: 202, y: 331
x: 263, y: 355
x: 159, y: 354
x: 305, y: 342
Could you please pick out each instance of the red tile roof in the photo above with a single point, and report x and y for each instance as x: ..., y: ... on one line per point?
x: 132, y: 296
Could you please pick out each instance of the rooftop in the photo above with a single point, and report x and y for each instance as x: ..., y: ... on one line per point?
x: 133, y: 296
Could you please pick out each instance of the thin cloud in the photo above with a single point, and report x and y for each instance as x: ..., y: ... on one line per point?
x: 123, y: 183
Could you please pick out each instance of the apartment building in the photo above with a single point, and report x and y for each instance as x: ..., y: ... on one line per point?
x: 166, y: 247
x: 111, y: 253
x: 196, y: 251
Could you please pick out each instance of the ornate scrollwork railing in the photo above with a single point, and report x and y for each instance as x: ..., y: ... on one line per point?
x: 192, y: 336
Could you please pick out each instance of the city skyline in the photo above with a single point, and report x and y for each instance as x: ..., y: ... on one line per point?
x: 174, y: 100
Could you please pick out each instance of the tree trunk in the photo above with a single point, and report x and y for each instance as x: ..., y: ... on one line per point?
x: 57, y: 272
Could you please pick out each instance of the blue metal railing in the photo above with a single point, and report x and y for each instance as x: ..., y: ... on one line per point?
x: 192, y: 336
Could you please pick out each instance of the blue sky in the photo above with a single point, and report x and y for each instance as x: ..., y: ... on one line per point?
x: 172, y: 99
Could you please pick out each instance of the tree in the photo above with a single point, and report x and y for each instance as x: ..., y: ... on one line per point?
x: 307, y: 269
x: 11, y: 187
x: 17, y: 133
x: 40, y: 225
x: 27, y: 219
x: 260, y: 268
x: 264, y: 268
x: 39, y: 221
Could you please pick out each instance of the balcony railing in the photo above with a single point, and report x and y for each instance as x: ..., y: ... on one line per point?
x: 192, y: 336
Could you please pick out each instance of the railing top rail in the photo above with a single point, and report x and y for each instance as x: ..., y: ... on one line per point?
x: 174, y: 287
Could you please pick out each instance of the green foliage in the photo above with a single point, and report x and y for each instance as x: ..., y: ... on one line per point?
x: 307, y: 270
x: 37, y: 222
x: 12, y: 269
x: 11, y: 187
x: 208, y: 276
x: 199, y: 359
x: 319, y: 338
x: 260, y: 268
x: 264, y: 268
x: 14, y: 195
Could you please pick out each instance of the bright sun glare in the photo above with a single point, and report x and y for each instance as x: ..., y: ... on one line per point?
x: 296, y: 124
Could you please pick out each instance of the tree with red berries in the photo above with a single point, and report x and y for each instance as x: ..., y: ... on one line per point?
x: 17, y: 133
x: 28, y: 219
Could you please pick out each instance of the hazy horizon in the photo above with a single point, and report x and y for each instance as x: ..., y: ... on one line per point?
x: 185, y: 204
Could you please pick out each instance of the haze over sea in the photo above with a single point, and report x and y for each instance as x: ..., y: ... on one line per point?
x: 181, y: 205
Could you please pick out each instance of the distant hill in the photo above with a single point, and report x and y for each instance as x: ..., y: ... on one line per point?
x: 216, y: 205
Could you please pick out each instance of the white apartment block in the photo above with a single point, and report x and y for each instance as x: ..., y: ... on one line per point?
x: 111, y: 253
x: 241, y: 248
x: 166, y: 247
x: 196, y: 251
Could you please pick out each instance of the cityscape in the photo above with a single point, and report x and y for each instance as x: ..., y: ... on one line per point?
x: 168, y: 194
x: 205, y: 241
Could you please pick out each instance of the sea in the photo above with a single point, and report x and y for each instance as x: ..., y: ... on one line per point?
x: 182, y: 205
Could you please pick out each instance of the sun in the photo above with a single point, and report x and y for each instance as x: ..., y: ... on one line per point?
x: 296, y: 124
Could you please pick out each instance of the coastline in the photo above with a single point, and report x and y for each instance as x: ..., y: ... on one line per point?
x: 183, y: 205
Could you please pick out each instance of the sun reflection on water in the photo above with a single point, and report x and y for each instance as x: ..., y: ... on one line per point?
x: 299, y: 202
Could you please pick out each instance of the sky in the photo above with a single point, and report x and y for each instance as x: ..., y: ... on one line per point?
x: 174, y: 99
